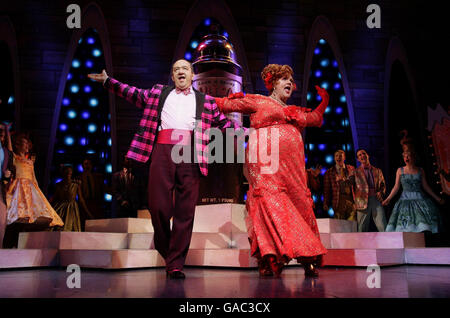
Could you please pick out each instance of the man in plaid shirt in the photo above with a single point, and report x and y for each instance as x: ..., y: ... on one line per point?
x: 172, y: 115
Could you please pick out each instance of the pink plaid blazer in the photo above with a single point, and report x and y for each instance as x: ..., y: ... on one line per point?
x: 152, y: 101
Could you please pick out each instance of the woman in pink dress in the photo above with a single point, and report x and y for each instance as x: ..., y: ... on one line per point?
x: 281, y: 223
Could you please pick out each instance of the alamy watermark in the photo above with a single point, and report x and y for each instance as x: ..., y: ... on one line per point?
x: 374, y: 279
x: 74, y: 279
x: 374, y: 19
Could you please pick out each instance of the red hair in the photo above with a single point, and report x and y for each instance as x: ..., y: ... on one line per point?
x: 273, y: 72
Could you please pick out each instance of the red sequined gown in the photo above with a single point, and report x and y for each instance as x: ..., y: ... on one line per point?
x: 280, y: 218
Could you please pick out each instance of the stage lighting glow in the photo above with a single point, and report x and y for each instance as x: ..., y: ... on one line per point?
x: 322, y: 41
x: 317, y: 51
x: 311, y: 146
x: 339, y: 110
x: 108, y: 197
x: 324, y: 85
x: 329, y: 159
x: 90, y: 40
x: 245, y: 197
x: 83, y: 141
x: 331, y: 212
x: 69, y: 141
x: 65, y: 101
x: 306, y: 159
x: 327, y: 110
x: 60, y: 151
x: 325, y: 62
x: 80, y: 168
x: 188, y: 56
x: 318, y: 73
x: 90, y: 151
x: 109, y: 168
x: 92, y: 128
x: 89, y: 63
x: 335, y: 63
x: 10, y: 100
x: 74, y: 88
x: 344, y: 122
x: 336, y: 86
x: 87, y: 89
x: 308, y: 96
x: 71, y: 114
x: 57, y: 180
x: 343, y: 99
x: 207, y: 21
x: 194, y: 44
x: 109, y: 142
x: 69, y: 76
x: 322, y: 172
x: 96, y: 52
x: 321, y: 146
x: 318, y: 98
x: 93, y: 102
x: 314, y: 197
x: 75, y: 63
x: 85, y: 115
x: 339, y: 76
x: 63, y: 127
x: 225, y: 34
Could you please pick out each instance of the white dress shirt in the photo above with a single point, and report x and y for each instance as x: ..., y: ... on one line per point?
x: 178, y: 111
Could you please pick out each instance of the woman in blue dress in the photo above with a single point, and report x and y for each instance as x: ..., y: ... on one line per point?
x: 414, y: 211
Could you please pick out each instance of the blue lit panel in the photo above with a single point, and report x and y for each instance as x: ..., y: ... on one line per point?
x: 335, y: 131
x: 83, y: 114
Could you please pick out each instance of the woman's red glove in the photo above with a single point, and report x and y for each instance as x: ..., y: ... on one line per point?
x: 236, y: 95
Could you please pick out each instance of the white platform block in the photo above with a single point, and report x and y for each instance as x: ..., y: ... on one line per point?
x: 221, y: 257
x: 336, y: 226
x: 325, y: 238
x: 120, y: 225
x: 240, y: 241
x: 429, y: 255
x: 112, y: 259
x: 377, y: 240
x: 73, y: 240
x: 19, y: 258
x: 220, y: 218
x: 198, y: 241
x: 364, y: 257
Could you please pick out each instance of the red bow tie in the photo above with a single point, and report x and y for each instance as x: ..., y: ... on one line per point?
x: 185, y: 91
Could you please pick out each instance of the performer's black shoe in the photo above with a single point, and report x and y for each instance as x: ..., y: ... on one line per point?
x: 176, y: 274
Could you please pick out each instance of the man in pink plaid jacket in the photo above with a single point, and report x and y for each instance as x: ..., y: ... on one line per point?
x: 189, y: 113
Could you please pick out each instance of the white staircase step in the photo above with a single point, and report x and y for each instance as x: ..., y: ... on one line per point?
x: 19, y: 258
x: 377, y: 240
x: 120, y: 225
x: 73, y: 240
x: 198, y: 241
x: 327, y: 225
x: 112, y: 259
x: 364, y: 257
x: 429, y: 255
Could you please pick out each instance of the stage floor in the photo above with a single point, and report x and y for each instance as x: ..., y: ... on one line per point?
x: 396, y: 281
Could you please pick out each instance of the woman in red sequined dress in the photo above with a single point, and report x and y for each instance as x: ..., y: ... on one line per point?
x: 281, y: 223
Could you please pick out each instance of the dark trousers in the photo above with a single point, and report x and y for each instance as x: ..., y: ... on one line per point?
x: 173, y: 192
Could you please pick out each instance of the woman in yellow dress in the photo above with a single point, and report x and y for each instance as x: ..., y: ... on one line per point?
x: 24, y: 200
